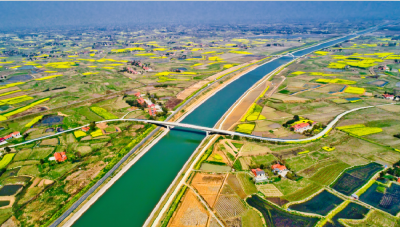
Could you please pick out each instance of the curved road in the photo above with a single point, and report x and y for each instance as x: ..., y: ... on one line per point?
x: 218, y: 131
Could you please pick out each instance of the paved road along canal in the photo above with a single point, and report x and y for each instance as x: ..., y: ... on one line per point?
x: 131, y: 199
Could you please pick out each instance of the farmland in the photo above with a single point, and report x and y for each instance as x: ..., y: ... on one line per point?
x: 58, y: 80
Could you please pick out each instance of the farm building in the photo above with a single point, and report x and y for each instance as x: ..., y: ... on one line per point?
x: 152, y: 110
x: 12, y: 135
x: 140, y: 100
x: 60, y: 157
x: 85, y: 129
x: 280, y: 169
x: 259, y: 175
x: 388, y: 96
x: 300, y: 128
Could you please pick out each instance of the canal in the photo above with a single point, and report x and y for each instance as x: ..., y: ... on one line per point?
x: 131, y: 199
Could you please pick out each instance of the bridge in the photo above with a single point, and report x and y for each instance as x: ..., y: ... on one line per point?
x: 209, y: 130
x: 285, y: 55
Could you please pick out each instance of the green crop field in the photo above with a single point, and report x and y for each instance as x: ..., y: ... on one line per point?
x: 328, y: 174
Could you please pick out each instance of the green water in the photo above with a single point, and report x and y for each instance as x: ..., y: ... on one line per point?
x: 132, y: 198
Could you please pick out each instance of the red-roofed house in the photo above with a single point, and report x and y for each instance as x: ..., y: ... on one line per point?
x: 398, y: 180
x: 15, y: 134
x: 140, y: 100
x: 152, y: 110
x: 259, y: 175
x: 280, y: 169
x: 12, y: 135
x: 387, y: 96
x: 7, y: 137
x: 60, y: 157
x: 300, y: 128
x: 85, y: 129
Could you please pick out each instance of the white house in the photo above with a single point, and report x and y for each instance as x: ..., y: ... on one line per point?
x: 259, y: 175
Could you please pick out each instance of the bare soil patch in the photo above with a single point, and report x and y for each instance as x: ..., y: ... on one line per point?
x: 50, y: 142
x: 190, y: 213
x: 208, y: 186
x: 249, y: 149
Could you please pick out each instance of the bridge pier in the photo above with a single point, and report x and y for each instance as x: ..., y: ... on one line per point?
x: 208, y: 133
x: 168, y: 127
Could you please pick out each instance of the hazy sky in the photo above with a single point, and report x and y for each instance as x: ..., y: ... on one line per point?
x: 39, y: 14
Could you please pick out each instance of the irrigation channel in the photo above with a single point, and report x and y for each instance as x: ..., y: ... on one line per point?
x: 132, y: 198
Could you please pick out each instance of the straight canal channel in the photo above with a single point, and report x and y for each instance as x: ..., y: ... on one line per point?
x: 132, y: 198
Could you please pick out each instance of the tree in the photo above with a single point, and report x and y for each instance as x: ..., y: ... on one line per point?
x: 78, y: 154
x: 7, y: 149
x: 296, y: 117
x: 92, y: 125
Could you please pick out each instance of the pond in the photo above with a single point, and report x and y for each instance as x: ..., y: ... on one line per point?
x: 352, y: 99
x: 354, y: 178
x: 4, y: 203
x: 4, y: 107
x: 50, y: 130
x: 17, y: 78
x: 26, y: 67
x: 10, y: 189
x: 50, y: 120
x: 351, y: 211
x: 388, y: 201
x: 379, y: 83
x: 277, y: 217
x: 321, y: 204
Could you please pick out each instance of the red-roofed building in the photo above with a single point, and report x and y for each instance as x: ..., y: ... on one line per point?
x: 140, y: 101
x: 85, y: 129
x: 387, y: 96
x: 60, y: 157
x: 259, y: 175
x: 300, y: 128
x: 7, y: 137
x: 152, y: 110
x: 15, y: 134
x: 280, y: 169
x: 12, y: 135
x: 398, y: 179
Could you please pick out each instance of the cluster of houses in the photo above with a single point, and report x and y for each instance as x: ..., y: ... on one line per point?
x: 139, y: 64
x: 304, y: 126
x: 152, y: 108
x: 3, y: 140
x: 259, y: 174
